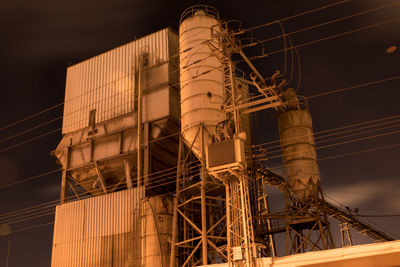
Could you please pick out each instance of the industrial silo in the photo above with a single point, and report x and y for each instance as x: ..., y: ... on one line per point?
x: 201, y: 75
x: 298, y: 148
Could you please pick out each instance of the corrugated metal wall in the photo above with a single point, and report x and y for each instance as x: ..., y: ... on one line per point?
x: 106, y: 83
x: 113, y: 230
x: 99, y: 231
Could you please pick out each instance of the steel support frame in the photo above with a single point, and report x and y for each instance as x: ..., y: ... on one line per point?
x: 307, y: 225
x: 345, y: 234
x: 199, y: 233
x: 264, y: 222
x: 240, y: 230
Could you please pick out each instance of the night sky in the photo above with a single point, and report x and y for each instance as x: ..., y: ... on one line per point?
x: 40, y: 39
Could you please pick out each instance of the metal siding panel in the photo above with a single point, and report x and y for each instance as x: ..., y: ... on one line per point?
x: 106, y: 82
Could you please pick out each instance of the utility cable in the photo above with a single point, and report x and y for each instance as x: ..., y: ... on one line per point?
x: 392, y: 118
x: 322, y: 24
x: 312, y: 96
x: 37, y: 208
x: 339, y: 143
x: 51, y: 211
x: 30, y: 117
x: 339, y: 137
x: 129, y: 75
x: 177, y: 54
x: 354, y: 87
x: 30, y: 129
x: 30, y: 227
x: 368, y: 221
x: 29, y: 140
x: 294, y: 16
x: 325, y: 38
x: 30, y: 178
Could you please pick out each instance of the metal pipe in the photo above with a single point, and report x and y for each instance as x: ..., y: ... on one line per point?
x: 139, y: 129
x: 203, y: 198
x: 64, y: 178
x: 175, y: 218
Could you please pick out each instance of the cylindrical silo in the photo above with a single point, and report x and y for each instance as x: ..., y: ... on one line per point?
x: 298, y: 150
x: 201, y: 75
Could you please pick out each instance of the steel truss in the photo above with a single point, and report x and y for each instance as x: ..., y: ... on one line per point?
x: 240, y: 233
x: 307, y: 226
x: 199, y: 226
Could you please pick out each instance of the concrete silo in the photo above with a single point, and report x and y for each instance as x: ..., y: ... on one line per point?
x: 298, y: 148
x: 201, y: 76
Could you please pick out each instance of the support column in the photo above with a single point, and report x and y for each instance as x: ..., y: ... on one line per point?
x: 128, y: 174
x: 64, y: 178
x: 175, y: 218
x: 146, y: 153
x: 139, y: 129
x: 203, y: 199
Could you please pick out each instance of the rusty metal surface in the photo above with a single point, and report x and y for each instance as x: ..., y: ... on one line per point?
x: 298, y: 152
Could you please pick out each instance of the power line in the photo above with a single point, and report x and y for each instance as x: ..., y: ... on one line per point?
x: 312, y: 96
x: 31, y: 227
x: 57, y: 170
x: 294, y: 16
x: 317, y: 134
x: 44, y: 206
x: 29, y: 140
x: 348, y: 154
x: 339, y: 137
x: 369, y: 221
x: 355, y: 86
x: 30, y: 129
x: 29, y: 178
x: 321, y: 24
x: 49, y: 213
x: 174, y: 173
x: 330, y: 37
x: 339, y: 143
x: 30, y: 116
x: 324, y: 39
x: 177, y: 54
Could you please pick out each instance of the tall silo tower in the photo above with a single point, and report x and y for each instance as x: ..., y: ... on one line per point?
x: 214, y: 136
x: 307, y: 226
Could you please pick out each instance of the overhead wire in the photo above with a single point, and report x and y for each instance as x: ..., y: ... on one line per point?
x: 322, y: 24
x: 30, y: 116
x: 49, y: 210
x: 309, y: 97
x: 336, y: 144
x: 49, y: 213
x: 389, y: 119
x: 368, y: 221
x: 156, y: 179
x: 277, y: 141
x: 285, y: 49
x: 325, y: 38
x: 172, y: 56
x: 295, y: 16
x: 340, y: 133
x: 320, y: 159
